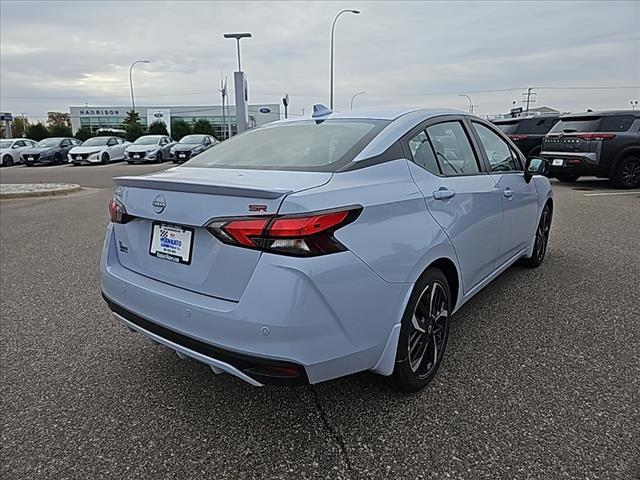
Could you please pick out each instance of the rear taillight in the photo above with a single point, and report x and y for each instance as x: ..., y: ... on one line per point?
x: 516, y: 138
x: 596, y: 136
x: 117, y: 212
x: 305, y: 235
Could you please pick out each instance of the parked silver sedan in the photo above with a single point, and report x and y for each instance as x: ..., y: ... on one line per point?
x: 149, y: 148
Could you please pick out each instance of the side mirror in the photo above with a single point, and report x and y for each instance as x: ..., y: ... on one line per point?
x: 535, y: 166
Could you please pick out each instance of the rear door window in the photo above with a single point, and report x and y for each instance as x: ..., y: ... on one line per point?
x: 454, y: 154
x: 616, y: 123
x: 423, y: 153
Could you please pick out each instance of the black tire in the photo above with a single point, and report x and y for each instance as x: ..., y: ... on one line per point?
x: 159, y: 158
x: 57, y: 159
x: 628, y: 173
x: 567, y: 177
x: 412, y: 371
x: 541, y: 239
x: 104, y: 159
x: 7, y: 160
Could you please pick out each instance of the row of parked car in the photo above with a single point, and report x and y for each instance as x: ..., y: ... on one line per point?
x: 603, y: 144
x: 102, y: 150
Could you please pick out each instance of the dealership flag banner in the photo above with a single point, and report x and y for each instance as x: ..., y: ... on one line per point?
x: 163, y: 116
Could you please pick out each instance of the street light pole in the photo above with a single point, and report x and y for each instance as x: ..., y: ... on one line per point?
x: 354, y: 97
x: 333, y: 28
x: 240, y: 82
x: 468, y: 98
x: 133, y: 102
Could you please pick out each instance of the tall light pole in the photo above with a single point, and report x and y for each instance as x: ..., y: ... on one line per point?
x: 333, y: 28
x: 133, y: 102
x: 353, y: 97
x: 240, y: 83
x: 468, y: 98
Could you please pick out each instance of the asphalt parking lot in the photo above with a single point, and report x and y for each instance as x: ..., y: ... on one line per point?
x: 541, y: 377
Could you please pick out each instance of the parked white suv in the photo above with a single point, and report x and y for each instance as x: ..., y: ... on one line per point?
x: 10, y: 150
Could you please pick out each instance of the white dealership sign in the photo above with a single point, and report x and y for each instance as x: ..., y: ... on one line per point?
x: 163, y: 115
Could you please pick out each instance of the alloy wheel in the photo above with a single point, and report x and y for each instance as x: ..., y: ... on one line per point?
x: 429, y: 333
x: 542, y: 234
x: 630, y: 173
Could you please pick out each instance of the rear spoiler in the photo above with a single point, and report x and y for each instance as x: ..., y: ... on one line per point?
x: 207, y: 189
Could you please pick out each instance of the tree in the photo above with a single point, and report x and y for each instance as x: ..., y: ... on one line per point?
x: 203, y: 127
x: 58, y: 119
x: 37, y: 131
x: 60, y: 131
x: 132, y: 126
x: 84, y: 133
x: 179, y: 129
x: 19, y: 126
x: 158, y: 128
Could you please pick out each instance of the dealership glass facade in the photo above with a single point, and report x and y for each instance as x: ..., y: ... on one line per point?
x: 113, y: 117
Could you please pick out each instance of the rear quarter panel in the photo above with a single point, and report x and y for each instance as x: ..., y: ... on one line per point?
x: 395, y: 235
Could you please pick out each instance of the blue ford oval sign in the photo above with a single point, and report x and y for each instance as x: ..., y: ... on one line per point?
x: 158, y: 115
x: 265, y: 110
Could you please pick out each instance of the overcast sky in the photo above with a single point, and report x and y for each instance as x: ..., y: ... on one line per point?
x: 56, y: 54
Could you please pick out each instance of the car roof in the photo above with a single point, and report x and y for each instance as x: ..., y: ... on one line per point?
x: 500, y: 121
x: 604, y: 113
x: 381, y: 113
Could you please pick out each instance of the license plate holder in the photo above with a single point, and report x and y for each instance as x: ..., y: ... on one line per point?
x: 171, y: 242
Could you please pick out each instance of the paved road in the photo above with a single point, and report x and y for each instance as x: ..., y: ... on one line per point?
x: 541, y: 377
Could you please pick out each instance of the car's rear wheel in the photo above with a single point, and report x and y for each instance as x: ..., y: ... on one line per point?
x: 628, y: 173
x: 105, y: 158
x: 424, y: 332
x: 7, y: 160
x: 541, y: 240
x: 567, y: 177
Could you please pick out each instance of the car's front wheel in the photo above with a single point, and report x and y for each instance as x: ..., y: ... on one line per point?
x: 424, y: 332
x: 105, y: 158
x: 628, y: 173
x: 7, y: 160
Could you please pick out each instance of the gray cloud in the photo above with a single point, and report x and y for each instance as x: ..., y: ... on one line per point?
x: 54, y: 54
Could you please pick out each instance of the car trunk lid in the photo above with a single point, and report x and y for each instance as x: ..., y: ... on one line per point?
x: 189, y: 198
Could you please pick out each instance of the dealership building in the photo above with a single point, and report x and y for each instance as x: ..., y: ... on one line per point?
x: 112, y: 117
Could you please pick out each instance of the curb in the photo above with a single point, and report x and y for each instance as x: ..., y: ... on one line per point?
x: 41, y: 193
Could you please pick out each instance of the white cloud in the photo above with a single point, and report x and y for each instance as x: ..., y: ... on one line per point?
x: 53, y: 54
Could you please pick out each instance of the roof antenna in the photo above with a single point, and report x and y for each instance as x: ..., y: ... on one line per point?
x: 320, y: 110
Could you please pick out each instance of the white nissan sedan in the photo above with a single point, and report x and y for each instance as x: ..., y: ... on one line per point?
x: 98, y: 150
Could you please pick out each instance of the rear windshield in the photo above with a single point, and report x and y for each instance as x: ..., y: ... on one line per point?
x: 576, y: 124
x: 508, y: 128
x: 304, y: 145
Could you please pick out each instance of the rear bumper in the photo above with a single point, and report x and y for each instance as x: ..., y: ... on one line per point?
x: 325, y: 316
x: 579, y: 163
x: 249, y: 368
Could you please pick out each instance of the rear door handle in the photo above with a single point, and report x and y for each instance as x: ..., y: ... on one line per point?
x: 507, y: 192
x: 443, y: 193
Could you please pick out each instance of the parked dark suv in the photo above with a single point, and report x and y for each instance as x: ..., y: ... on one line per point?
x: 527, y: 132
x: 604, y: 144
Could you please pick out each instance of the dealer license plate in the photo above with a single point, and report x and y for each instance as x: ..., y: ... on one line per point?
x: 182, y: 155
x: 171, y: 242
x: 557, y: 162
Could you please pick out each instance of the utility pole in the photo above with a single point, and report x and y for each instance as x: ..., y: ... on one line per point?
x: 528, y: 98
x: 285, y: 102
x: 223, y: 92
